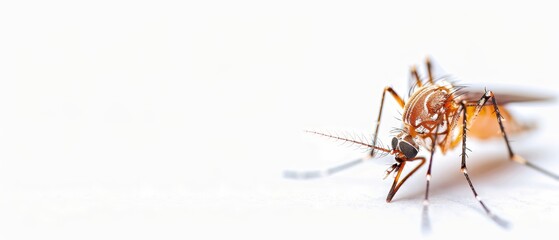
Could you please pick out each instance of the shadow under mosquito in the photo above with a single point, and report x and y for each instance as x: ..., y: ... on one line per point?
x: 485, y: 169
x: 480, y: 168
x: 441, y: 182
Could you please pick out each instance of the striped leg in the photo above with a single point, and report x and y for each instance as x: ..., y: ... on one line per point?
x: 514, y: 157
x: 425, y: 224
x: 464, y: 168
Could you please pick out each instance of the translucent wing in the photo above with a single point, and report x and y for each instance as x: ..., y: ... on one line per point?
x: 505, y: 96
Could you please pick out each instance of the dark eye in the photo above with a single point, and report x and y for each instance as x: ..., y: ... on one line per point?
x: 394, y: 143
x: 408, y: 150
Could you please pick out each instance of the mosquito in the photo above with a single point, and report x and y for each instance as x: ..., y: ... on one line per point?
x: 439, y: 114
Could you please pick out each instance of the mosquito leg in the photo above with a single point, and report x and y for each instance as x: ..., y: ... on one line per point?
x: 400, y: 102
x: 425, y: 224
x: 397, y: 183
x: 321, y: 173
x: 514, y: 157
x: 415, y: 75
x: 338, y: 168
x: 464, y: 168
x: 429, y: 70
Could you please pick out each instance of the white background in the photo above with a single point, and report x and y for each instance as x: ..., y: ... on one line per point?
x: 175, y: 120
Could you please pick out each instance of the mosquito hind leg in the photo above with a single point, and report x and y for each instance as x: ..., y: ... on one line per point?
x: 513, y: 157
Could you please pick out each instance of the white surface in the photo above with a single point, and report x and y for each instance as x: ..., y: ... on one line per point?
x: 174, y: 120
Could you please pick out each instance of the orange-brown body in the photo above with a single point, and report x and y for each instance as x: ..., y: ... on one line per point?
x: 486, y: 127
x: 431, y: 111
x: 436, y: 107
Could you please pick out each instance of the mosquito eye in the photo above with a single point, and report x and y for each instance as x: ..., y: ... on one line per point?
x: 394, y: 143
x: 408, y: 150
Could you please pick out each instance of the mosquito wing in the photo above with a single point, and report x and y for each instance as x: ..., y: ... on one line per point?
x: 505, y: 96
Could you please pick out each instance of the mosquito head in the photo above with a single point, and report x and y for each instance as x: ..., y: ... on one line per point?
x: 406, y: 146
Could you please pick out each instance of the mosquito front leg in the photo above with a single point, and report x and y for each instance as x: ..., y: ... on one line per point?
x: 397, y: 183
x: 400, y: 102
x: 338, y: 168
